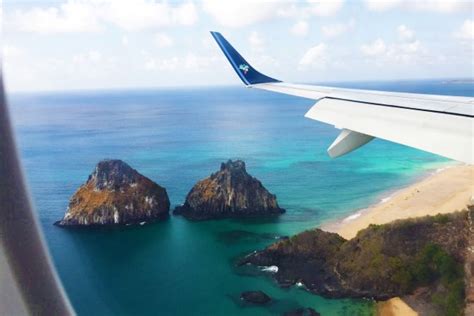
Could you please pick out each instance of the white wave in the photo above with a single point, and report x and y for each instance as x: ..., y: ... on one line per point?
x: 352, y: 217
x: 442, y: 169
x: 272, y: 269
x: 386, y: 199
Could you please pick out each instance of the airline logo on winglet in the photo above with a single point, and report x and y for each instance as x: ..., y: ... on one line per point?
x: 244, y: 68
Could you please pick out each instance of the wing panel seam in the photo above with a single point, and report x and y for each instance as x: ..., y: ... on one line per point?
x: 400, y: 107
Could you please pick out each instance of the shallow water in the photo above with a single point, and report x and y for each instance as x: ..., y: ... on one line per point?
x: 176, y: 137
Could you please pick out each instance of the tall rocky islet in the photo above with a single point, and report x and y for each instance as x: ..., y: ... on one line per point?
x: 116, y: 194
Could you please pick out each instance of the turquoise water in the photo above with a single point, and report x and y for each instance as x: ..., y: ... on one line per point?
x: 176, y: 137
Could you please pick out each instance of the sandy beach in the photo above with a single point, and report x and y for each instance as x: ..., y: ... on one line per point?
x: 447, y: 190
x: 394, y: 307
x: 444, y: 191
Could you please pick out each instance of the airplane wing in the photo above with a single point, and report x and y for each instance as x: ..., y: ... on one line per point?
x: 439, y: 124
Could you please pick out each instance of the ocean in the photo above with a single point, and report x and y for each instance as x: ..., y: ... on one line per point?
x: 176, y: 137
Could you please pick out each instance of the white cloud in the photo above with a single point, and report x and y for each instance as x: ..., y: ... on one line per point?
x: 466, y: 31
x: 124, y: 40
x: 198, y: 63
x: 185, y: 14
x: 315, y: 57
x: 91, y: 60
x: 162, y: 64
x: 163, y: 40
x: 68, y: 17
x: 256, y: 41
x: 11, y: 51
x: 91, y: 56
x: 335, y: 30
x: 189, y: 62
x: 248, y: 12
x: 141, y: 14
x: 240, y: 13
x: 376, y: 48
x: 440, y: 6
x: 300, y: 28
x: 325, y: 7
x: 405, y: 34
x: 401, y: 51
x: 264, y: 62
x: 407, y: 50
x: 91, y: 15
x: 407, y: 53
x: 382, y: 5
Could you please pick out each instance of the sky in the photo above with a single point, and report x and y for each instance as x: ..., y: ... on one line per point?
x: 109, y: 44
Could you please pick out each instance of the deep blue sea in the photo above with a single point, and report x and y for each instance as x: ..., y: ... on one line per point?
x: 176, y: 137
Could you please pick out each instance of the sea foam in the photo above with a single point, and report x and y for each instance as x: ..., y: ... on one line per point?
x: 352, y: 217
x: 272, y: 269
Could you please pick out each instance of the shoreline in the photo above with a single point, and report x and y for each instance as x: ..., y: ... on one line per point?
x: 337, y: 225
x: 445, y: 190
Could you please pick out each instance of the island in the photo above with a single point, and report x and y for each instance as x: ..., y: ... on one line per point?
x: 419, y: 259
x: 116, y: 194
x: 229, y: 193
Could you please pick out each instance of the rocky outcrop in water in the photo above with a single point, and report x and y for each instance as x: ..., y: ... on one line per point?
x: 255, y: 297
x: 116, y: 194
x: 381, y: 262
x: 230, y: 192
x: 302, y: 312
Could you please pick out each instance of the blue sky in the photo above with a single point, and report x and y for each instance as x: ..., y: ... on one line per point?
x: 103, y: 44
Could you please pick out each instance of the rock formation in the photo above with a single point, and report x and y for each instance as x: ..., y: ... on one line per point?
x: 383, y: 261
x: 116, y: 194
x: 302, y: 312
x: 230, y: 192
x: 255, y: 297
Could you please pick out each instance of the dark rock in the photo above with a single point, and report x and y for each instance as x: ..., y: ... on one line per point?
x: 381, y: 262
x: 116, y: 194
x: 302, y: 312
x: 255, y: 297
x: 230, y: 192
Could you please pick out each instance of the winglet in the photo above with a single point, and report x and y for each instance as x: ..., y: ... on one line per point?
x: 244, y: 70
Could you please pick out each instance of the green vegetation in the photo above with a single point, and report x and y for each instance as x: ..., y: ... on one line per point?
x: 421, y: 256
x: 434, y: 264
x: 441, y: 218
x: 431, y: 266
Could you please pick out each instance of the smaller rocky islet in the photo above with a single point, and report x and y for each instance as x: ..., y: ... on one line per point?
x: 229, y: 193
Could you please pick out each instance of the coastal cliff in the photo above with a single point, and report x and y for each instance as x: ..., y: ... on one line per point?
x: 230, y: 192
x: 420, y: 258
x: 116, y: 194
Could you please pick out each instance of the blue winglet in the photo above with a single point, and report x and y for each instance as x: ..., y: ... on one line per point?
x: 246, y: 73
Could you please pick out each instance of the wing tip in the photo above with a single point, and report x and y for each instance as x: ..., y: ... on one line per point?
x: 244, y: 70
